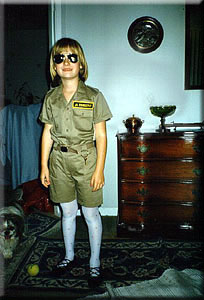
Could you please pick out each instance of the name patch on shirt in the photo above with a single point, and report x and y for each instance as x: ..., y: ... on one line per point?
x: 83, y: 105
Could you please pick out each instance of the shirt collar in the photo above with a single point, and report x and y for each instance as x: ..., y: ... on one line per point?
x: 81, y: 91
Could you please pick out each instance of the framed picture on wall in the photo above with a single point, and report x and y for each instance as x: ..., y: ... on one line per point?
x: 194, y: 47
x: 145, y: 34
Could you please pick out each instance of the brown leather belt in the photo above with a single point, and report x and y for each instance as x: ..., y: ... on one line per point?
x: 65, y: 148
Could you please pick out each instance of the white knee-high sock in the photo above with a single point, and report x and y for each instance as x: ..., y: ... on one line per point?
x: 69, y: 211
x: 93, y: 220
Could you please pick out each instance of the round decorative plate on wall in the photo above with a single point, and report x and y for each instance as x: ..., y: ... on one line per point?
x: 145, y: 34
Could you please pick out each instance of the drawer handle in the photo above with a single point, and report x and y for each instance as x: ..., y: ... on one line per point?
x: 197, y: 172
x: 197, y: 148
x: 142, y: 192
x: 143, y: 213
x: 143, y: 148
x: 197, y: 193
x: 142, y: 171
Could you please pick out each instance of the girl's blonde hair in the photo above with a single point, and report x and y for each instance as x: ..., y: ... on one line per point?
x: 62, y: 45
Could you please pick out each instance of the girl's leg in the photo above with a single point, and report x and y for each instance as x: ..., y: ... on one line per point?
x: 69, y: 211
x: 93, y: 220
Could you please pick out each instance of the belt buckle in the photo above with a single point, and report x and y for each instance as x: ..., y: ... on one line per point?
x: 63, y: 149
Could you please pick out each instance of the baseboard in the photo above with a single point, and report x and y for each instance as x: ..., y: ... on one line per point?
x: 108, y: 211
x: 105, y: 211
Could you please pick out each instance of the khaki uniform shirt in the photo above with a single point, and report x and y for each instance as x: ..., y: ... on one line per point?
x: 73, y: 122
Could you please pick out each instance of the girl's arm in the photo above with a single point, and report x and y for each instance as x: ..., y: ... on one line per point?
x: 97, y: 180
x: 46, y: 146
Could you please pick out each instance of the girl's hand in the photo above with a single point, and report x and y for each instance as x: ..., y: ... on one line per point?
x: 44, y: 177
x: 97, y: 181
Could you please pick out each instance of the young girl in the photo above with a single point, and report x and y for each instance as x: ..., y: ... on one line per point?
x: 75, y: 121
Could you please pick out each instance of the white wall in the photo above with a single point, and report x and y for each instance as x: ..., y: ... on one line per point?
x: 130, y: 81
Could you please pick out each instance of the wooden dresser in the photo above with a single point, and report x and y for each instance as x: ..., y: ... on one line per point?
x: 160, y: 185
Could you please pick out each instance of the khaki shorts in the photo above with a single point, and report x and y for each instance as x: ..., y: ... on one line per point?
x: 70, y: 178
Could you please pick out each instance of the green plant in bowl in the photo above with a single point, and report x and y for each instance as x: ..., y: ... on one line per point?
x: 162, y: 112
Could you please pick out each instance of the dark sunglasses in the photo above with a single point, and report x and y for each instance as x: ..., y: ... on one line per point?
x: 59, y: 58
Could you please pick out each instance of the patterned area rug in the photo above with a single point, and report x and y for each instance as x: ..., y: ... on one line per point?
x: 124, y: 261
x: 40, y: 224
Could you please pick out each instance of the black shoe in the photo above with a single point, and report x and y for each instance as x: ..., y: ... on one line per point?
x: 95, y: 278
x: 63, y: 266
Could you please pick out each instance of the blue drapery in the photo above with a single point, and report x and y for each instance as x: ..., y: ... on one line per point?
x: 20, y: 134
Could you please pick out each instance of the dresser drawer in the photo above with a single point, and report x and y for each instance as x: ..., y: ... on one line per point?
x: 160, y: 192
x: 158, y: 214
x: 161, y: 148
x: 133, y: 170
x: 160, y: 184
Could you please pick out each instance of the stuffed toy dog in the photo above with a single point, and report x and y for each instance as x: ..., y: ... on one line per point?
x: 11, y: 228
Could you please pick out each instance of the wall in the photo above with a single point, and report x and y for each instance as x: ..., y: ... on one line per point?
x: 130, y: 81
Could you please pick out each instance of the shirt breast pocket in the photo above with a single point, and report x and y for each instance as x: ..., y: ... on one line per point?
x: 83, y: 119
